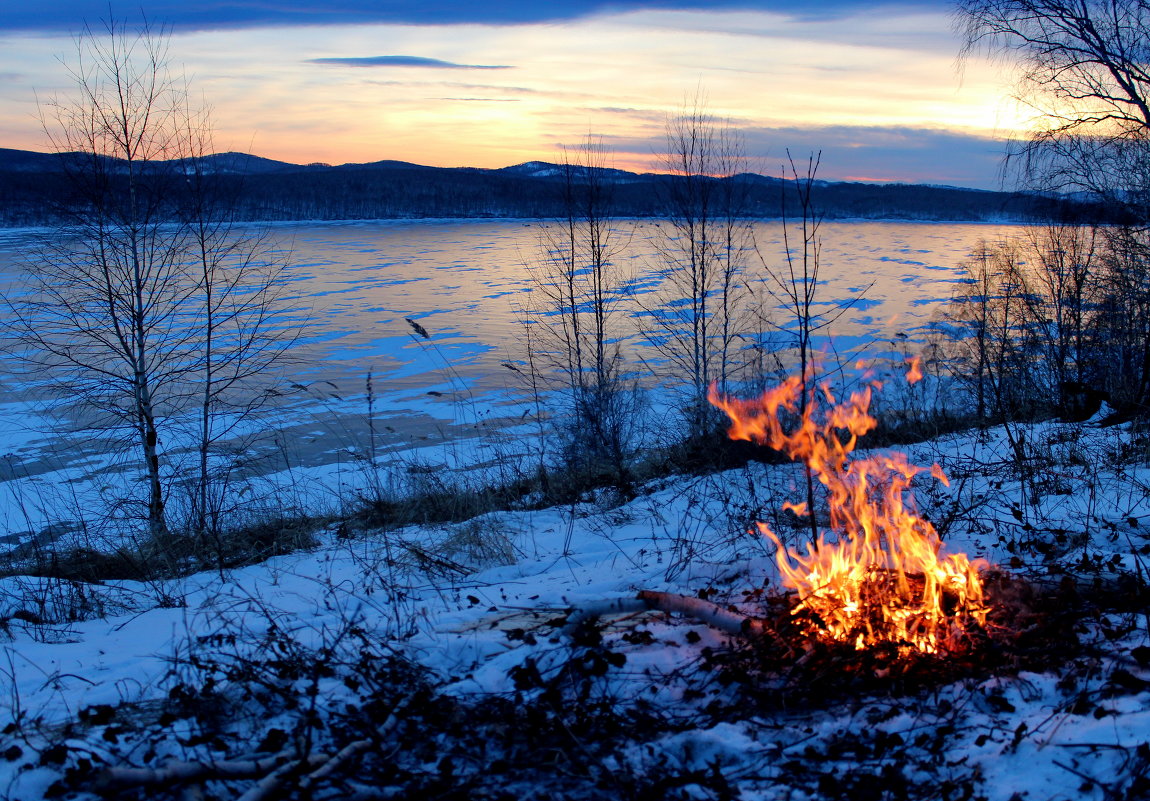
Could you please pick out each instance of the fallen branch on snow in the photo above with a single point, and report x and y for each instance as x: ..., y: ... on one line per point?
x: 725, y: 620
x: 190, y: 772
x: 272, y: 771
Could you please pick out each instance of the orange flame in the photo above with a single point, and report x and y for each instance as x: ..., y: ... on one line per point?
x: 884, y: 579
x: 913, y: 370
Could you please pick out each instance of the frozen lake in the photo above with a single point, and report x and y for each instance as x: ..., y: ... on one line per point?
x: 468, y: 284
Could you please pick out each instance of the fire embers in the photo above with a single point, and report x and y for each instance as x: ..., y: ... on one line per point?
x: 878, y: 574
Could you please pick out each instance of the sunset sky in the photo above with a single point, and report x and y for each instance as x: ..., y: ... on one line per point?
x: 876, y: 88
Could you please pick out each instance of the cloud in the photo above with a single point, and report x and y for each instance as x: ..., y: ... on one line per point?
x: 648, y: 115
x: 70, y: 15
x: 404, y: 61
x: 470, y: 87
x: 524, y: 90
x: 860, y: 153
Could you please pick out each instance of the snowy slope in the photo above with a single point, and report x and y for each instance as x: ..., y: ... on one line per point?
x: 476, y: 609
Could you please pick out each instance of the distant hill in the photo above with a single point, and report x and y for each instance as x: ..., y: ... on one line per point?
x: 28, y: 161
x: 34, y: 186
x: 243, y: 164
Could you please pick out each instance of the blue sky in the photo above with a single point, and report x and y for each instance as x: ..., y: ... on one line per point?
x: 875, y: 87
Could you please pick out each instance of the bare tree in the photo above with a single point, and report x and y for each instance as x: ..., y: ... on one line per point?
x: 968, y: 325
x: 794, y: 287
x: 1062, y: 282
x: 1027, y: 324
x: 996, y: 353
x: 145, y: 304
x: 238, y: 307
x: 103, y: 314
x: 1119, y: 323
x: 707, y: 240
x: 1083, y: 70
x: 580, y: 287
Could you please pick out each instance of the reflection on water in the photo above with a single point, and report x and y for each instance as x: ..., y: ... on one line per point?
x: 468, y: 283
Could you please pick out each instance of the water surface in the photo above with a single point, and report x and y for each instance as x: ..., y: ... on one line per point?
x: 469, y: 284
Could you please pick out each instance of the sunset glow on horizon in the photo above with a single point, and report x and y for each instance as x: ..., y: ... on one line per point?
x: 878, y: 92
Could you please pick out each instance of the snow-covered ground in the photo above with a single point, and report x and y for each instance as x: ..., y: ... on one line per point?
x: 475, y: 610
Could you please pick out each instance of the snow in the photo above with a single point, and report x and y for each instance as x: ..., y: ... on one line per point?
x: 474, y: 603
x: 483, y: 612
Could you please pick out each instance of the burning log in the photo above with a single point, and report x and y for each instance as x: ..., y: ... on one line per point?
x: 883, y: 577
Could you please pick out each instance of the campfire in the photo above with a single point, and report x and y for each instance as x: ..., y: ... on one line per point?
x: 877, y: 574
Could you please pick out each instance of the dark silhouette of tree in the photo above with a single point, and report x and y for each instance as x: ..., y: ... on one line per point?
x: 706, y: 243
x: 144, y: 303
x: 579, y: 326
x: 1083, y: 70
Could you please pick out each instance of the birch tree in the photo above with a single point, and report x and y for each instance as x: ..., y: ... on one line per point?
x: 705, y: 243
x: 581, y: 289
x: 146, y: 305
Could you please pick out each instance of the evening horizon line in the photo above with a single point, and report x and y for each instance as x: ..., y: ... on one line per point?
x: 647, y: 171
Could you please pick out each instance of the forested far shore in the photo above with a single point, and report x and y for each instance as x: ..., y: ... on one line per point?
x: 34, y: 187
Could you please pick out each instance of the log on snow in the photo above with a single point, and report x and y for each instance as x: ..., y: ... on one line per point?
x: 718, y: 617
